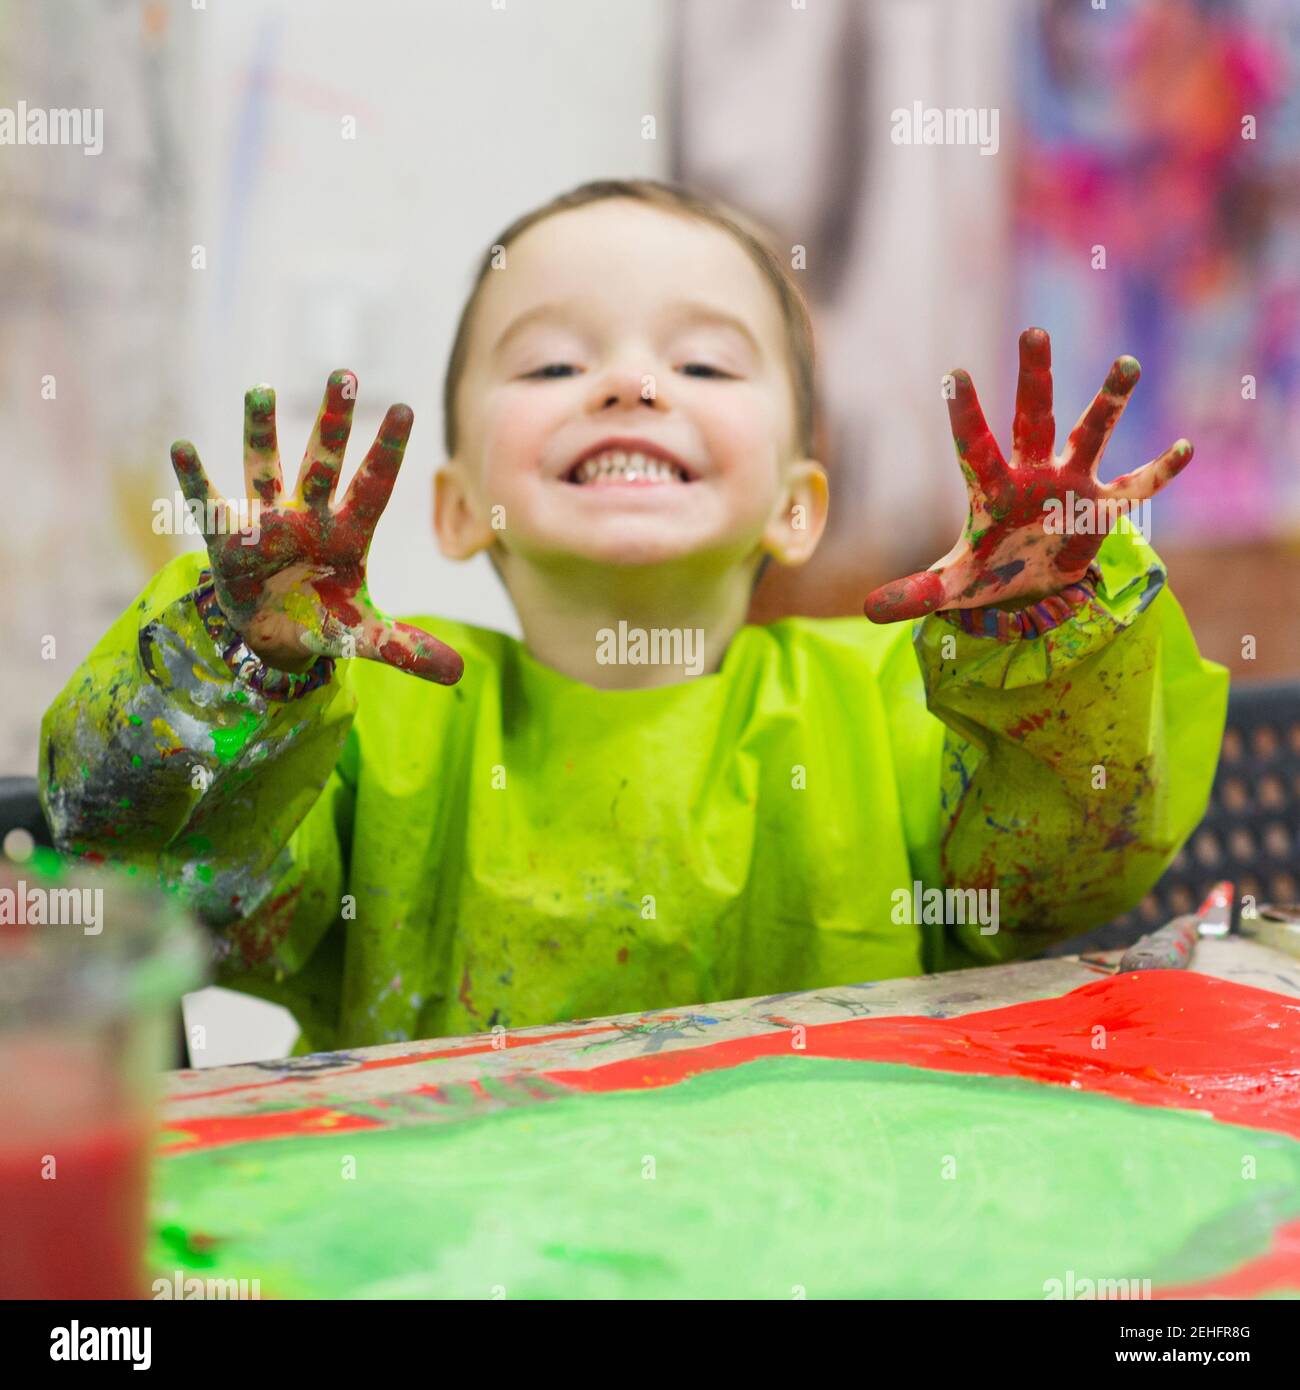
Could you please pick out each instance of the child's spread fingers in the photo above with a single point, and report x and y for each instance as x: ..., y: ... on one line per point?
x: 1034, y: 430
x: 371, y: 488
x: 319, y: 473
x: 1145, y: 482
x: 411, y: 650
x: 262, y: 476
x: 1089, y: 436
x: 912, y: 597
x: 981, y: 459
x: 206, y: 500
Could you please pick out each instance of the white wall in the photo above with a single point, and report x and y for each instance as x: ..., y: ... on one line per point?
x: 325, y: 252
x: 223, y: 128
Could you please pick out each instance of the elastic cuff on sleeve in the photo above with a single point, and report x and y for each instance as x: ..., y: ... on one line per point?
x: 1034, y: 620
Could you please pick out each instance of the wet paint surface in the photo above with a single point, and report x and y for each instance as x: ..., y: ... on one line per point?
x: 899, y: 1152
x: 748, y: 1182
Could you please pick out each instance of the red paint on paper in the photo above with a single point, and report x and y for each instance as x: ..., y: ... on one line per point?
x: 1277, y: 1270
x: 1156, y: 1037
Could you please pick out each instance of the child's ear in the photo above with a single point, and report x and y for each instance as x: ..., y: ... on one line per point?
x: 796, y: 528
x: 460, y: 529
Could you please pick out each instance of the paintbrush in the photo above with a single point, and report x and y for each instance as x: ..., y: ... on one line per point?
x: 1170, y: 947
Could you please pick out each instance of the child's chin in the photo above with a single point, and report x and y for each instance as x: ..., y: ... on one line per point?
x: 629, y: 549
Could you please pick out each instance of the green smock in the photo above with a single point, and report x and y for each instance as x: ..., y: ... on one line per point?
x: 393, y: 859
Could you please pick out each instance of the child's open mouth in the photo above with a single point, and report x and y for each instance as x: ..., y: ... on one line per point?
x: 612, y: 466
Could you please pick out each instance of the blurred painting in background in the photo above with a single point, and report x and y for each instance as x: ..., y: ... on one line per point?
x: 1142, y: 196
x: 1167, y: 133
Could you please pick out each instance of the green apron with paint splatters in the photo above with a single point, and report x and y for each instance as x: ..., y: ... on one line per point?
x: 393, y: 859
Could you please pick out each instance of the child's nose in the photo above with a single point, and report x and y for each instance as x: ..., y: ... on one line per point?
x: 625, y: 387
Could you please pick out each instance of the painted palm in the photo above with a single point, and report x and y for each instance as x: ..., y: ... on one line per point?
x: 1021, y: 540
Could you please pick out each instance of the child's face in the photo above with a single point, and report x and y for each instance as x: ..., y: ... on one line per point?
x: 612, y: 325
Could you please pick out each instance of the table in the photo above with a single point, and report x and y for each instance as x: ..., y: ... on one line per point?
x: 256, y: 1155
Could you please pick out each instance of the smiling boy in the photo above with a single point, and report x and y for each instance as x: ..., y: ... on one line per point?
x: 629, y: 426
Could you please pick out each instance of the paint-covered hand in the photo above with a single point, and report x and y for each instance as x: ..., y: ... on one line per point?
x: 1035, y: 523
x: 293, y: 582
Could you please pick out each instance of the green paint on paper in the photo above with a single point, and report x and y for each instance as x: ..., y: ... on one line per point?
x: 191, y: 1254
x: 745, y: 1182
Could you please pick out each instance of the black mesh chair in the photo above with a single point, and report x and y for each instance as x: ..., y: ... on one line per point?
x: 1251, y: 831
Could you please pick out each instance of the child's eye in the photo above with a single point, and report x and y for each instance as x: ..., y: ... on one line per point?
x: 552, y: 369
x: 703, y: 369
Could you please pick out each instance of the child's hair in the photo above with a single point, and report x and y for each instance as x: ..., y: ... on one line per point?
x: 755, y: 240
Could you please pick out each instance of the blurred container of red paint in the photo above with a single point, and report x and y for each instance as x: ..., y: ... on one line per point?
x: 92, y: 968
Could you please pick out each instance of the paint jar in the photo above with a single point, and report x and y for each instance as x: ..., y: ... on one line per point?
x: 92, y: 968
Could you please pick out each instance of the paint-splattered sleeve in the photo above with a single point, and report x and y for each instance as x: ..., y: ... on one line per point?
x: 1080, y: 748
x: 172, y: 750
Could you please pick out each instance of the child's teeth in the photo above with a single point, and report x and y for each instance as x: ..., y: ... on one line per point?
x: 634, y: 467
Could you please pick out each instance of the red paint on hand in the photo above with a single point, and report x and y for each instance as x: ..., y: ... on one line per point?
x: 1034, y: 523
x: 912, y: 597
x: 305, y: 548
